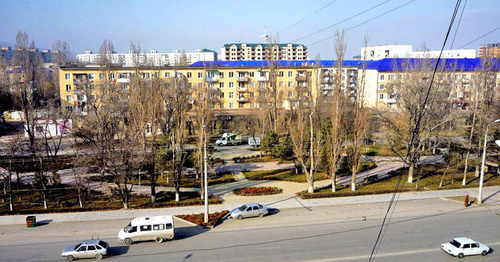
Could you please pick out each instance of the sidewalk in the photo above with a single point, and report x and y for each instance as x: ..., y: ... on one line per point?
x: 491, y: 198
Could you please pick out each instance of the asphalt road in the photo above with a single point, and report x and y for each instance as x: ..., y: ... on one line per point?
x: 335, y: 233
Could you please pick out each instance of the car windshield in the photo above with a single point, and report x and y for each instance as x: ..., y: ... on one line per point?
x: 127, y: 227
x: 455, y: 243
x: 77, y: 246
x: 243, y: 207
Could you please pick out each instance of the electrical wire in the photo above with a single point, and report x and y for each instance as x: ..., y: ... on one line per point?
x: 458, y: 25
x: 345, y: 20
x: 414, y: 132
x: 303, y: 19
x: 365, y: 22
x: 480, y: 37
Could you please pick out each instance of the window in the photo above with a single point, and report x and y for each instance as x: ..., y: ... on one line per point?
x: 252, y: 74
x: 69, y: 108
x: 68, y: 87
x: 281, y: 84
x: 231, y: 84
x: 221, y: 105
x: 167, y: 74
x: 231, y: 94
x: 168, y: 226
x: 91, y: 76
x: 221, y: 95
x: 158, y: 227
x: 382, y: 87
x: 381, y: 77
x: 391, y: 77
x: 200, y: 85
x: 98, y: 247
x: 91, y: 248
x: 473, y: 245
x: 231, y: 104
x: 381, y: 96
x: 252, y: 104
x: 309, y: 93
x: 221, y: 84
x: 221, y: 74
x: 69, y: 98
x: 252, y: 84
x: 289, y: 84
x: 466, y: 245
x: 200, y: 75
x: 145, y: 228
x: 101, y: 75
x: 290, y: 93
x: 231, y: 74
x: 252, y: 94
x: 281, y: 74
x: 290, y: 73
x: 67, y: 76
x: 112, y: 76
x: 189, y: 75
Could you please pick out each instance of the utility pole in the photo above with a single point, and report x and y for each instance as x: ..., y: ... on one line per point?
x: 481, y: 178
x: 205, y: 178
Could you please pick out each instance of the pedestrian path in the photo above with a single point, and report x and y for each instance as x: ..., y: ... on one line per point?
x: 491, y: 198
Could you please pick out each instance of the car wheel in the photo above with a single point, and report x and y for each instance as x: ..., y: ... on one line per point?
x: 261, y: 215
x: 484, y: 253
x: 70, y: 258
x: 98, y: 256
x: 128, y: 241
x: 239, y: 217
x: 460, y: 255
x: 158, y: 239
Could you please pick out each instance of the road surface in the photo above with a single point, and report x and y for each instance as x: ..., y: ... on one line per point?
x: 333, y: 233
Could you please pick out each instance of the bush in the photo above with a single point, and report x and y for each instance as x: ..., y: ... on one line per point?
x: 213, y: 218
x: 257, y: 191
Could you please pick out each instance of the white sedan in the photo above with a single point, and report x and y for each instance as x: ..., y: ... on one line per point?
x: 464, y: 246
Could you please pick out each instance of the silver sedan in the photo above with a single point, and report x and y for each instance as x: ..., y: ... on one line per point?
x: 94, y: 248
x: 249, y: 210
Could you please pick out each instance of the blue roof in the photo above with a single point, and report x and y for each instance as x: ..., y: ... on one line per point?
x: 384, y: 65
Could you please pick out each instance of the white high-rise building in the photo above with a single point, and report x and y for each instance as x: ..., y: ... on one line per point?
x: 153, y: 58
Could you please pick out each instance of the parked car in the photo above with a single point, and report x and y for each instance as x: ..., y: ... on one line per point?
x: 254, y: 142
x: 249, y: 210
x: 86, y: 249
x: 464, y: 246
x: 157, y: 228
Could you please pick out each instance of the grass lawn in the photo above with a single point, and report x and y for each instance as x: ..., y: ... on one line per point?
x: 193, y: 182
x: 430, y: 178
x: 66, y: 200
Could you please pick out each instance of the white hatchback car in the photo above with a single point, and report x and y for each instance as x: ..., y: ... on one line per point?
x: 464, y: 246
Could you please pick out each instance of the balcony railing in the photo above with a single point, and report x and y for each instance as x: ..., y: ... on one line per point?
x: 242, y: 89
x: 212, y: 79
x: 243, y: 99
x: 123, y: 80
x: 242, y: 79
x: 301, y: 78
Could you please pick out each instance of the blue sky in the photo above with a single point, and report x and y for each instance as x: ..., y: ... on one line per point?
x: 189, y: 25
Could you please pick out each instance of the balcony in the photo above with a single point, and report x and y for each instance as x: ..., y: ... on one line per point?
x: 302, y: 88
x: 123, y: 80
x: 242, y: 79
x: 212, y: 79
x: 391, y: 101
x: 242, y: 89
x: 243, y: 99
x: 301, y: 78
x: 326, y: 80
x: 77, y: 81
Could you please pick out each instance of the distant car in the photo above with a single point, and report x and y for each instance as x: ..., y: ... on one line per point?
x: 464, y: 246
x: 249, y: 210
x: 87, y: 249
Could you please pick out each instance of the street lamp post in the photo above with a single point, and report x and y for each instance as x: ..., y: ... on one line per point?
x: 480, y: 195
x: 205, y: 174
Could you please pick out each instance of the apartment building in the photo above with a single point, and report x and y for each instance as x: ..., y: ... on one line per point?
x: 490, y: 50
x: 261, y: 52
x: 7, y: 53
x: 152, y: 58
x: 241, y: 83
x: 406, y: 51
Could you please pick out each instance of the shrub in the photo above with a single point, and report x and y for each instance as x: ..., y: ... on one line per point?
x: 258, y: 191
x: 213, y: 218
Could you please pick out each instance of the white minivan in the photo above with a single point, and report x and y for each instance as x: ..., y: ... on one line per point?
x: 157, y: 228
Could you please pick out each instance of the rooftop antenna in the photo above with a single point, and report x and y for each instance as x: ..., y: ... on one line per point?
x: 265, y: 36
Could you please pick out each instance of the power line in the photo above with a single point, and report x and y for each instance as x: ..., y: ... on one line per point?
x: 365, y: 22
x: 303, y: 19
x: 345, y: 20
x: 415, y: 130
x: 458, y: 25
x: 480, y: 37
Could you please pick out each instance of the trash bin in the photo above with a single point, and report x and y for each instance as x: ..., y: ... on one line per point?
x: 30, y: 221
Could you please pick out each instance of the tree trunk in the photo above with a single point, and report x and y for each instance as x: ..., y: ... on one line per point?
x: 177, y: 195
x: 476, y: 173
x: 410, y: 173
x: 153, y: 192
x: 353, y: 178
x: 80, y: 197
x: 464, y: 181
x: 334, y: 181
